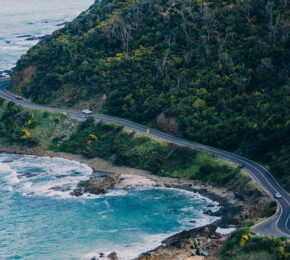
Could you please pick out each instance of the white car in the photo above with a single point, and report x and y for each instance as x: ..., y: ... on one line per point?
x: 277, y: 195
x: 86, y: 111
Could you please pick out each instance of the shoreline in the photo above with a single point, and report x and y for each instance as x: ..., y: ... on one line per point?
x: 132, y: 177
x: 231, y: 208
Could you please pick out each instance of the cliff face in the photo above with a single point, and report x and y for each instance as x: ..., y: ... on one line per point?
x: 218, y: 70
x: 22, y: 77
x: 168, y: 124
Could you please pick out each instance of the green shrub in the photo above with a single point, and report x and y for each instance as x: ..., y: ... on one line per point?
x: 2, y: 101
x: 273, y: 248
x: 45, y: 114
x: 270, y: 209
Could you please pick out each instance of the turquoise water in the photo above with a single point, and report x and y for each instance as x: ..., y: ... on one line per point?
x: 31, y: 17
x: 39, y: 219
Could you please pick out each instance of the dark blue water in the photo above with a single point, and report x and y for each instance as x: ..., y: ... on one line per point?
x: 37, y: 222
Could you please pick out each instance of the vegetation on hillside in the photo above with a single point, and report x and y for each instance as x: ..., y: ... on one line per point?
x: 113, y: 143
x: 50, y: 131
x: 220, y: 68
x: 242, y: 244
x: 31, y: 128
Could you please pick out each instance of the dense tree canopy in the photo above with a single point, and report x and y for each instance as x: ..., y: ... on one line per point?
x: 219, y: 67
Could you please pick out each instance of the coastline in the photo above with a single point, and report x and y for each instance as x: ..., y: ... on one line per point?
x: 131, y: 177
x: 233, y: 211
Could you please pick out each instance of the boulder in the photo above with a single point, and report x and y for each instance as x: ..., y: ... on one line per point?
x: 77, y: 192
x: 193, y: 252
x: 113, y: 256
x: 202, y: 252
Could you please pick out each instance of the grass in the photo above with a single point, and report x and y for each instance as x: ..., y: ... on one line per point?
x: 47, y: 128
x: 44, y: 127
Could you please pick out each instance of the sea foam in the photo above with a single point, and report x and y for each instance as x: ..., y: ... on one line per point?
x: 129, y: 221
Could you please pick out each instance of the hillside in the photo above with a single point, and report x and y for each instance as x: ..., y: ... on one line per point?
x: 45, y: 131
x: 214, y: 72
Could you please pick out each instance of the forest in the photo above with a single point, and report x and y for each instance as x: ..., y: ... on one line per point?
x: 216, y: 70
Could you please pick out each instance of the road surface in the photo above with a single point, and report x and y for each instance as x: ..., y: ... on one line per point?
x: 277, y: 226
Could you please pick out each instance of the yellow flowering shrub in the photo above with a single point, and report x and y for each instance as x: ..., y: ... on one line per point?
x: 58, y: 119
x: 25, y: 134
x: 243, y: 240
x: 93, y: 137
x: 28, y: 123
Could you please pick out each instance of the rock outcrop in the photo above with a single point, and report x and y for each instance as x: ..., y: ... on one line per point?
x: 200, y: 241
x: 96, y: 185
x: 27, y: 175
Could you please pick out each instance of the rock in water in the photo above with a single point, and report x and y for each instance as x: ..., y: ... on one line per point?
x: 27, y: 175
x: 61, y: 176
x: 96, y: 185
x: 113, y: 256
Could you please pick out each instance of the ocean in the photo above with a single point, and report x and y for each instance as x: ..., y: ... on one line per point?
x: 40, y: 219
x: 23, y: 21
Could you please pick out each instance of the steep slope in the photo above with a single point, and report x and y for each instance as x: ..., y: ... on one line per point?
x: 215, y: 72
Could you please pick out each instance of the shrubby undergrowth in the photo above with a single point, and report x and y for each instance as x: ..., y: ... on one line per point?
x: 29, y: 127
x: 242, y: 244
x: 121, y: 147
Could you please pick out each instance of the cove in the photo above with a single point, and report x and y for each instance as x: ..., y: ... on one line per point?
x: 39, y: 219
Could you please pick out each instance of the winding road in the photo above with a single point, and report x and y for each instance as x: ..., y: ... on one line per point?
x: 276, y: 226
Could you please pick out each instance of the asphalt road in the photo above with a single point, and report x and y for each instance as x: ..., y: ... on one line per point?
x: 277, y: 226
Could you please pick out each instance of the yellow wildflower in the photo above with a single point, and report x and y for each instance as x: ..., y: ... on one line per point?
x: 93, y: 137
x: 243, y: 240
x: 25, y: 135
x: 28, y: 123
